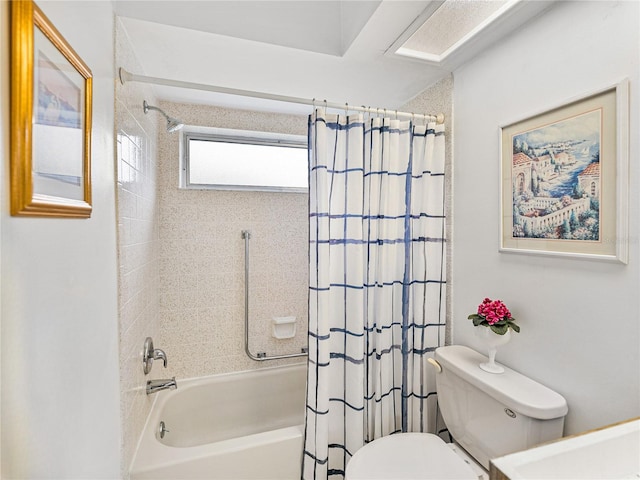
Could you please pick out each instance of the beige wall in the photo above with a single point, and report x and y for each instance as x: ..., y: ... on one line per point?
x: 202, y: 257
x: 138, y: 246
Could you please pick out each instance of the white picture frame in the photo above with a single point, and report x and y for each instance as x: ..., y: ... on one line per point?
x: 565, y: 178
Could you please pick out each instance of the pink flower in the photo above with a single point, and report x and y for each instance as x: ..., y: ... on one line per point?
x: 493, y: 310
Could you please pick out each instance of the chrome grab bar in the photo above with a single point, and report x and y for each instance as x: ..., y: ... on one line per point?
x: 261, y: 356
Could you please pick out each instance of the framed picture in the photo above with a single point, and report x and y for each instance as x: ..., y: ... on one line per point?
x: 51, y: 95
x: 565, y: 179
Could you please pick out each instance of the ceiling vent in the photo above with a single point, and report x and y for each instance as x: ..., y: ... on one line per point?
x: 445, y: 29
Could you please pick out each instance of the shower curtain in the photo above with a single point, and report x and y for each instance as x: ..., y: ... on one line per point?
x: 377, y: 283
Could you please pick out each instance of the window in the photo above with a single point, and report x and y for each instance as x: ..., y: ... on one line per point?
x: 240, y: 160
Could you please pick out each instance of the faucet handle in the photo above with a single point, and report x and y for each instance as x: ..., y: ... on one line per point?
x: 159, y: 354
x: 149, y: 354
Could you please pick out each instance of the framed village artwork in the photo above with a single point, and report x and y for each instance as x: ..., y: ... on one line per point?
x: 564, y: 179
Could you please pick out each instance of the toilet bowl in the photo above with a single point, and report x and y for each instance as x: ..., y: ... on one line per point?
x: 413, y: 456
x: 488, y: 415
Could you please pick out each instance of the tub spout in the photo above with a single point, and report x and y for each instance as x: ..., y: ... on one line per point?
x: 154, y: 386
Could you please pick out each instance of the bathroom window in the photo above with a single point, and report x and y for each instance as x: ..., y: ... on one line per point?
x: 240, y: 160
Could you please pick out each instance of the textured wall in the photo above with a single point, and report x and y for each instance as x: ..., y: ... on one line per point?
x: 138, y: 245
x: 200, y: 252
x: 202, y: 257
x: 438, y: 98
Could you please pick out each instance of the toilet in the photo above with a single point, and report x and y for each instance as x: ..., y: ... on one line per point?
x: 488, y: 415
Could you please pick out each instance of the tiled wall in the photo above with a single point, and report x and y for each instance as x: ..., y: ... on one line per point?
x: 138, y: 245
x: 202, y: 257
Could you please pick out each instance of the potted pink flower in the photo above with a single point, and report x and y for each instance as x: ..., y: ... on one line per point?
x: 495, y: 315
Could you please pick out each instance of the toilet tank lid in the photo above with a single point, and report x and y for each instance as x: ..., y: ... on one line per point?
x: 514, y: 390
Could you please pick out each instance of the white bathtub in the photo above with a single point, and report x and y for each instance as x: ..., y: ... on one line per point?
x: 246, y: 425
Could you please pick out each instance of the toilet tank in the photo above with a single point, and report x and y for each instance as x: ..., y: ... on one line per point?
x: 491, y: 415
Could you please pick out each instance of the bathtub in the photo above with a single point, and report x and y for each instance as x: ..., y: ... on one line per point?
x: 246, y: 425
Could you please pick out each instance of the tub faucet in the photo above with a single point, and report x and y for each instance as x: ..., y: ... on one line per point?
x: 154, y: 386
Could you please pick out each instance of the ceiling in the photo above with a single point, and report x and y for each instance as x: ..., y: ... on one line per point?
x: 342, y: 51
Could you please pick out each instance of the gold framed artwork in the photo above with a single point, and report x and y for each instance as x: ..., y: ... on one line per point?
x: 51, y: 99
x: 565, y: 179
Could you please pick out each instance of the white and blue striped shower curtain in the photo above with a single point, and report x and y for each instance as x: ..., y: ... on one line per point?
x: 377, y: 283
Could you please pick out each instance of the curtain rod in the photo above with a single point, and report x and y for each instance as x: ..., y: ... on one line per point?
x: 126, y: 76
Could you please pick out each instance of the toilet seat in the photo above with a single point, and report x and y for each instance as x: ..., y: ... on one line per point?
x: 408, y: 456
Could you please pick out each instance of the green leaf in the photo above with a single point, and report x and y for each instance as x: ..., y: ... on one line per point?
x: 499, y: 329
x: 478, y: 321
x: 473, y: 316
x: 515, y: 327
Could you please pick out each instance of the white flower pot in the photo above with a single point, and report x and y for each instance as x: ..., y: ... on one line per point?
x: 492, y: 341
